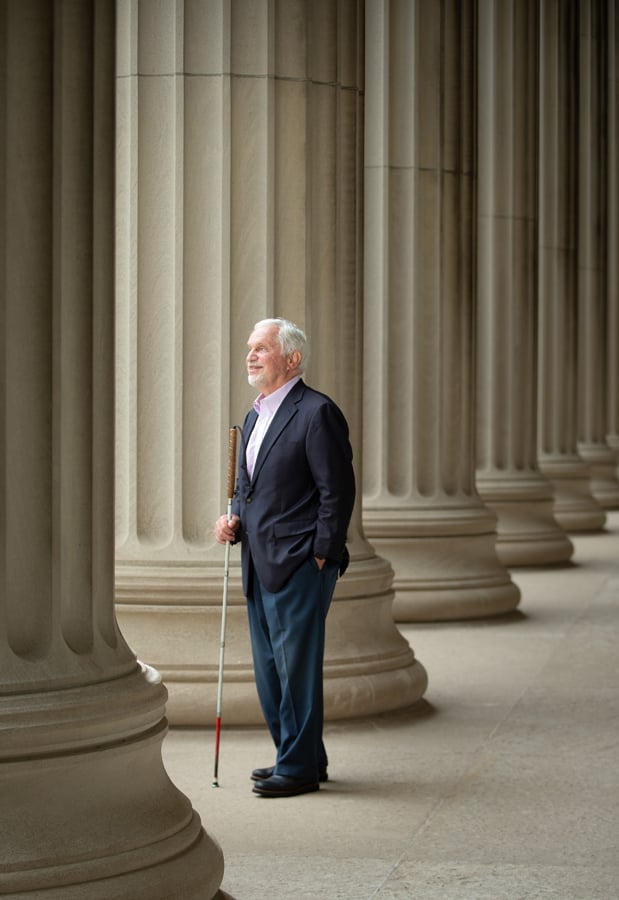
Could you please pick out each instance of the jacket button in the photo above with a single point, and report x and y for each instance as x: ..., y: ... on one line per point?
x: 248, y: 500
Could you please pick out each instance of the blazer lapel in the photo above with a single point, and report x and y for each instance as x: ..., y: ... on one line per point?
x: 248, y: 427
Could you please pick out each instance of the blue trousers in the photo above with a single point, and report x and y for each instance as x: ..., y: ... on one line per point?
x: 287, y: 631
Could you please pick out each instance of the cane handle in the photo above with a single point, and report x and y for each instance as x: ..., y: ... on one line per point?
x: 231, y: 463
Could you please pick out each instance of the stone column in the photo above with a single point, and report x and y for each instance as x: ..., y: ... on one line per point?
x: 592, y: 205
x: 245, y: 173
x: 612, y: 241
x: 87, y: 809
x: 574, y: 506
x: 421, y: 507
x: 508, y: 477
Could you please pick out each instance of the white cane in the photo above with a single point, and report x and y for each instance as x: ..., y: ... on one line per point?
x: 224, y: 605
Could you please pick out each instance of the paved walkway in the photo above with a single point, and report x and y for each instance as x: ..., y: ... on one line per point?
x: 501, y: 784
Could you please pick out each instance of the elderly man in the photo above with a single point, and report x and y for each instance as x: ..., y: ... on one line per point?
x: 293, y: 502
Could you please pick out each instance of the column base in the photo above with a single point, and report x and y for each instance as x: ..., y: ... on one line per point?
x: 445, y: 563
x: 613, y: 442
x: 88, y: 811
x: 602, y: 462
x: 575, y: 508
x: 527, y: 532
x: 190, y: 873
x: 369, y: 667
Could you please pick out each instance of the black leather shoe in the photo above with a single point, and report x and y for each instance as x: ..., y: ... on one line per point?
x: 263, y: 774
x: 284, y: 786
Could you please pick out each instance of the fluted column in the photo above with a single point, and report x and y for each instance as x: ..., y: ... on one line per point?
x: 592, y: 205
x: 508, y: 477
x: 421, y: 508
x: 87, y: 809
x: 612, y: 241
x: 245, y: 173
x: 575, y: 509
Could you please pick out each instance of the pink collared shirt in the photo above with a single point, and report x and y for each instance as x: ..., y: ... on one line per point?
x: 266, y: 407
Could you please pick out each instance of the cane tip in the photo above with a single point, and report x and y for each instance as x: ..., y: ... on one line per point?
x: 215, y: 783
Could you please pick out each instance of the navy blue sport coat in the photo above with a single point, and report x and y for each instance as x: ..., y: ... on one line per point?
x: 299, y: 502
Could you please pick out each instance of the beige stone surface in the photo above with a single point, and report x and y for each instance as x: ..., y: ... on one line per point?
x: 87, y: 811
x: 500, y: 784
x: 575, y: 508
x: 594, y: 279
x: 612, y: 237
x: 239, y: 197
x: 420, y: 506
x: 509, y: 480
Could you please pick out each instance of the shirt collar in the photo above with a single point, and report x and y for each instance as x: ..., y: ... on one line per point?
x: 271, y: 402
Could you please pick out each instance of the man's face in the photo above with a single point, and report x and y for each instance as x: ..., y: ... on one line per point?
x: 267, y: 368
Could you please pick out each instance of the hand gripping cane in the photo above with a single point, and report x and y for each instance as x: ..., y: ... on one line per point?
x: 224, y: 605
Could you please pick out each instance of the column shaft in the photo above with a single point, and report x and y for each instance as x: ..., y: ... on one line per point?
x: 421, y: 508
x: 592, y: 205
x: 87, y: 809
x: 174, y: 163
x: 612, y: 241
x: 574, y: 506
x: 248, y: 166
x: 508, y: 477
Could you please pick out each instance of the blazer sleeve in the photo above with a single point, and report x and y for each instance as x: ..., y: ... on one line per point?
x: 330, y: 458
x: 242, y: 478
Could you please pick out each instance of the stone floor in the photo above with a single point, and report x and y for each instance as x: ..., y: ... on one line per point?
x: 501, y: 784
